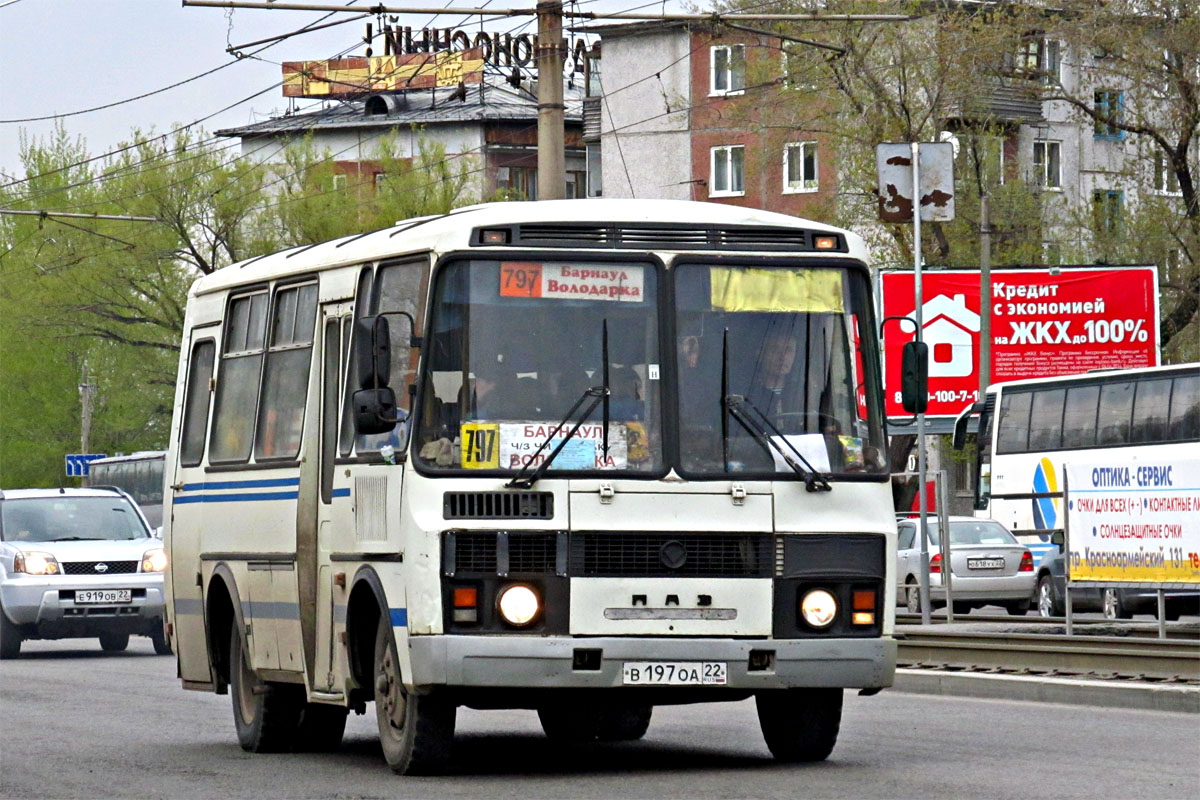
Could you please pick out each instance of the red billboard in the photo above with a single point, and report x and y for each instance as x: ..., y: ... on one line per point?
x: 1044, y: 323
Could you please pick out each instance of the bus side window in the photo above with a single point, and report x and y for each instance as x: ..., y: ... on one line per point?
x: 1046, y: 417
x: 1116, y: 406
x: 195, y: 404
x: 1151, y: 404
x: 1013, y: 436
x: 285, y: 382
x: 1079, y: 416
x: 362, y: 306
x: 237, y: 380
x: 1185, y: 409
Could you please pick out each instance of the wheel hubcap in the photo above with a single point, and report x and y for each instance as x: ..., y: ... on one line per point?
x: 1045, y: 602
x: 389, y: 694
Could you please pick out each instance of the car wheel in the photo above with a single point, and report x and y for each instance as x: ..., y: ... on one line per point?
x: 912, y: 596
x: 624, y: 723
x: 265, y: 715
x: 415, y: 731
x: 1047, y: 604
x: 1018, y: 608
x: 800, y: 724
x: 114, y: 642
x: 10, y: 638
x: 1113, y: 607
x: 321, y: 727
x: 158, y: 637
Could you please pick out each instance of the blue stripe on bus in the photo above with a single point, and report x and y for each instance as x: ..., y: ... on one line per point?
x: 236, y: 498
x: 399, y: 617
x: 341, y: 492
x: 259, y: 484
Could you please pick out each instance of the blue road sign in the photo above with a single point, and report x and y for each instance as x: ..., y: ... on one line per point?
x: 78, y: 463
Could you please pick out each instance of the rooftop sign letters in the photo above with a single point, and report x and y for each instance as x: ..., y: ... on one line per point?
x: 339, y: 77
x: 497, y: 49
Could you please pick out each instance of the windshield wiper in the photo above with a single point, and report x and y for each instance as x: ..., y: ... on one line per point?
x: 597, y: 394
x: 760, y: 427
x: 79, y: 539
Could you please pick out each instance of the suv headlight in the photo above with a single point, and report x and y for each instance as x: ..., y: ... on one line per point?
x: 34, y: 562
x: 154, y: 560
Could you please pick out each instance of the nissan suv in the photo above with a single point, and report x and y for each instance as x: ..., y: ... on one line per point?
x: 78, y: 563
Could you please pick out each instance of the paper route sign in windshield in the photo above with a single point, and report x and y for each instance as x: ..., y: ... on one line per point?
x: 558, y: 281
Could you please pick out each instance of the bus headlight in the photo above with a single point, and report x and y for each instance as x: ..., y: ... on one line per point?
x: 819, y: 608
x: 519, y: 604
x: 154, y: 560
x: 35, y: 563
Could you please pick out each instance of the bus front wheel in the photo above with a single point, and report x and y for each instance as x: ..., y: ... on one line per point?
x: 416, y: 732
x: 800, y: 724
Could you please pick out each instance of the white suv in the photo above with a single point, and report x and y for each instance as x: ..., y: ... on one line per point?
x: 78, y: 563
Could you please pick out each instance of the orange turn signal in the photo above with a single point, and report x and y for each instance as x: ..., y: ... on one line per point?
x: 825, y: 242
x: 465, y: 597
x: 864, y: 600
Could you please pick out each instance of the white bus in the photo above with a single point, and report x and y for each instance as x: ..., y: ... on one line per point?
x: 139, y: 474
x: 517, y: 456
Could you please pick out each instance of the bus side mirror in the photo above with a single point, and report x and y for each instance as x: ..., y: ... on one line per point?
x: 960, y: 425
x: 374, y: 410
x: 373, y: 353
x: 914, y: 378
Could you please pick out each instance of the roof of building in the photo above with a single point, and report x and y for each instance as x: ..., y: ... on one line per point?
x: 492, y: 101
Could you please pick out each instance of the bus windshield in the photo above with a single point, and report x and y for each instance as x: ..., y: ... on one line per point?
x: 515, y: 344
x: 783, y: 343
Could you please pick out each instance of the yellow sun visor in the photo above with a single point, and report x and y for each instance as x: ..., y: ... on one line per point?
x: 779, y: 290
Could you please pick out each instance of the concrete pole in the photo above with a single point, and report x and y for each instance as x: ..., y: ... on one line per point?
x: 985, y: 296
x: 926, y: 605
x: 87, y: 391
x: 552, y: 178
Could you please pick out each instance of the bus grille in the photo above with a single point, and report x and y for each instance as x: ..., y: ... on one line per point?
x: 89, y: 567
x: 532, y: 552
x: 475, y: 552
x: 716, y: 555
x: 497, y: 505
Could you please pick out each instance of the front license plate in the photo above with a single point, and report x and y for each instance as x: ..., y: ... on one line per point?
x: 985, y: 563
x: 103, y: 596
x: 675, y: 673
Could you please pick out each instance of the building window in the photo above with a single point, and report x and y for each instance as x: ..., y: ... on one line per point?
x: 1166, y: 181
x: 799, y: 167
x: 576, y: 184
x: 518, y: 182
x: 1047, y: 165
x: 1109, y: 106
x: 1107, y: 206
x: 381, y: 179
x: 339, y: 181
x: 728, y: 176
x: 1039, y: 59
x: 595, y: 188
x: 728, y: 68
x: 797, y: 71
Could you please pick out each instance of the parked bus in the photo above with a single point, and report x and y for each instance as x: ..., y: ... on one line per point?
x: 139, y: 475
x: 583, y: 457
x: 1027, y: 431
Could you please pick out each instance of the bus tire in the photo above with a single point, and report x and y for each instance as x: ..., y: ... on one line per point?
x: 800, y: 724
x: 266, y: 715
x: 114, y: 642
x: 624, y: 723
x: 321, y: 727
x: 158, y: 637
x: 10, y: 638
x: 416, y: 732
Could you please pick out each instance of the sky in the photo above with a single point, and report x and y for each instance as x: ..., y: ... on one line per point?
x: 59, y: 57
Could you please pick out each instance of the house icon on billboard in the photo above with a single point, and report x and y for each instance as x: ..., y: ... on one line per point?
x: 948, y: 330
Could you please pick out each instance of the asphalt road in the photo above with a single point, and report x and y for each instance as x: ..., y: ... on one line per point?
x: 79, y: 723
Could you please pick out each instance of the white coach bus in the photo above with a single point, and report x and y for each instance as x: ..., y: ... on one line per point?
x: 583, y: 457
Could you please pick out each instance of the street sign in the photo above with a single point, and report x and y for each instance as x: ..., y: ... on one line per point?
x: 78, y: 463
x: 893, y: 164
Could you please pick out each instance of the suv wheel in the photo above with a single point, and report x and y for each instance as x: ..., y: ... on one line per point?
x: 1047, y: 603
x: 10, y: 638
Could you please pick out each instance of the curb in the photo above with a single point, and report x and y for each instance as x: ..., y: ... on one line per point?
x: 1071, y: 691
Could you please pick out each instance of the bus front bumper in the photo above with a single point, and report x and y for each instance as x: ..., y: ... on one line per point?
x: 552, y: 662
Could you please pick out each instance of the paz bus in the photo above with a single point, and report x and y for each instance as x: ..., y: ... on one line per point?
x: 1029, y: 430
x: 511, y: 458
x: 139, y: 474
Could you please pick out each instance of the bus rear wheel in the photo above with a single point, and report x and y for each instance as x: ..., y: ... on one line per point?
x: 416, y: 731
x: 265, y: 715
x: 800, y: 724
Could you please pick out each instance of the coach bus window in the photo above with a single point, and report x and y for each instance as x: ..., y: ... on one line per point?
x: 362, y: 307
x: 285, y: 386
x: 237, y: 381
x: 1079, y: 416
x: 195, y: 414
x: 1185, y: 409
x: 1046, y: 417
x: 514, y: 345
x: 1112, y: 421
x: 1151, y: 405
x: 1013, y: 426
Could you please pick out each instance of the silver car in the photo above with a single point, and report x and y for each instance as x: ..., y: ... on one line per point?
x: 988, y: 566
x: 78, y: 563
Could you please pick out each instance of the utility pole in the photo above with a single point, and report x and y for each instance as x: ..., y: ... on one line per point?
x: 552, y: 178
x: 985, y: 296
x: 87, y: 391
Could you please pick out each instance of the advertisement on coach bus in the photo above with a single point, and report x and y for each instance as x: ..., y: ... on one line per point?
x: 1044, y: 323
